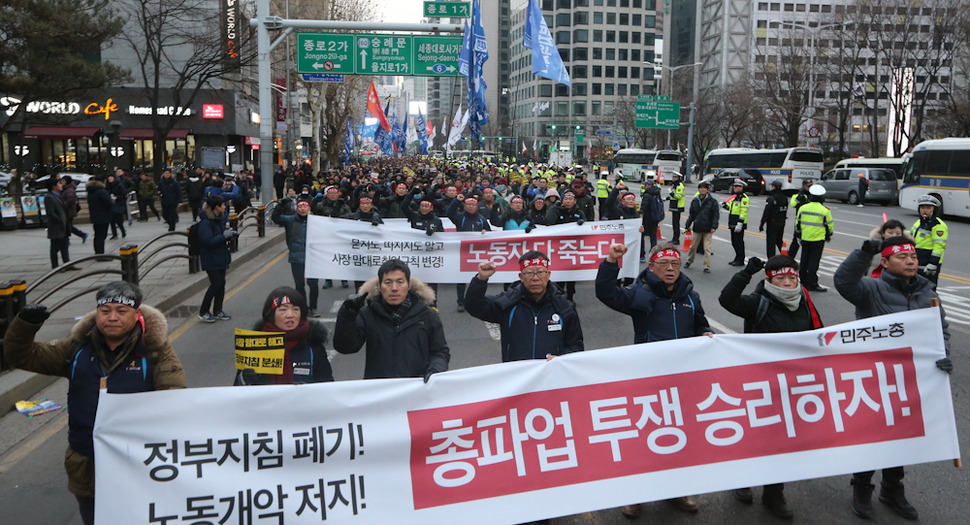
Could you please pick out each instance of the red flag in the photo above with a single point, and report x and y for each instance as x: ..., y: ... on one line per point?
x: 374, y: 107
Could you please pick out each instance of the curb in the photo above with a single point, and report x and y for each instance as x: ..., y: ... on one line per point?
x: 20, y: 384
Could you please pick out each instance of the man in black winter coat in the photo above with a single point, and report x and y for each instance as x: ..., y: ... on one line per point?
x: 535, y: 318
x: 171, y: 197
x: 100, y: 205
x: 404, y: 335
x: 703, y: 216
x: 58, y: 223
x: 774, y: 217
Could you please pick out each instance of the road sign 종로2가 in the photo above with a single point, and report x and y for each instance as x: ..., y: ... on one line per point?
x: 325, y: 53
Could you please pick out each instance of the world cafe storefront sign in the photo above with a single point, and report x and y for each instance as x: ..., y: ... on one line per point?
x: 104, y: 109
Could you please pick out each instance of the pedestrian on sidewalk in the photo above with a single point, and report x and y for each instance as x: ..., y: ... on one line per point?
x: 100, y: 207
x: 119, y: 205
x: 214, y: 256
x: 146, y: 197
x: 72, y: 206
x: 703, y: 217
x: 171, y: 197
x: 58, y: 224
x: 122, y: 342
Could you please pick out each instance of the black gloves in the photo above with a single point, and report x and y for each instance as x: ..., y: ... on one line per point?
x: 429, y: 231
x: 375, y: 221
x: 754, y: 265
x: 355, y: 302
x: 872, y: 246
x: 580, y: 221
x: 530, y: 227
x: 828, y: 237
x: 34, y: 313
x: 428, y: 374
x: 943, y: 364
x: 761, y: 228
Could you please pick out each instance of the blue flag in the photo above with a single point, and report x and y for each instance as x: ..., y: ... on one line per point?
x: 546, y: 61
x: 349, y: 143
x: 422, y: 133
x: 403, y: 139
x: 471, y: 63
x: 383, y: 137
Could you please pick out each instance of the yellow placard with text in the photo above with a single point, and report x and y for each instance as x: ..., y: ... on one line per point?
x: 262, y: 351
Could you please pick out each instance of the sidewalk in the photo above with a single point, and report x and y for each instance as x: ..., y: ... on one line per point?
x: 26, y: 255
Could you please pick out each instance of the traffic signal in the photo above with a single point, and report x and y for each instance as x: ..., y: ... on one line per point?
x: 579, y: 127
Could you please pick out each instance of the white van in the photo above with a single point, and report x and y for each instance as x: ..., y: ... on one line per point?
x: 880, y: 162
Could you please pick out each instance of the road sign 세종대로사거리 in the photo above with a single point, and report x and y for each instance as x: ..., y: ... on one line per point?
x: 657, y: 114
x: 378, y: 54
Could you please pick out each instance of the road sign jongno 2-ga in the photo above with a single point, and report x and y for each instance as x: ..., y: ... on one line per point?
x: 377, y: 54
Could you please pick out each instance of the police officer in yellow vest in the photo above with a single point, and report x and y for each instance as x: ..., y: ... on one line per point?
x: 814, y: 227
x: 737, y: 207
x: 603, y: 190
x: 677, y: 198
x: 930, y: 233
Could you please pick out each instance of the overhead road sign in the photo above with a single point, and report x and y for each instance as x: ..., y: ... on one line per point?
x: 653, y: 113
x: 447, y: 9
x: 377, y: 54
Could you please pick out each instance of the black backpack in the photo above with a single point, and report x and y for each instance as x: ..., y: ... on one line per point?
x: 194, y: 238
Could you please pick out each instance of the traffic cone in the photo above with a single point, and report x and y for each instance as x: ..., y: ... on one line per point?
x: 659, y: 236
x: 688, y: 238
x: 784, y: 247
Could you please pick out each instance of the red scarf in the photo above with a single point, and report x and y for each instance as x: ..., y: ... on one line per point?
x: 816, y: 320
x: 290, y: 340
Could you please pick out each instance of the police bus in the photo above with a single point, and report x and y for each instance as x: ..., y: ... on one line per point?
x: 633, y: 164
x: 789, y: 165
x: 940, y: 168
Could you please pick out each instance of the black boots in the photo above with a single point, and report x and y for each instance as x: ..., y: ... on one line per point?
x: 773, y: 497
x: 862, y: 499
x: 896, y: 499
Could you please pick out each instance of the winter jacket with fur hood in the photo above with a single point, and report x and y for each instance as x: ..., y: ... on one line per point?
x: 410, y: 349
x: 56, y: 358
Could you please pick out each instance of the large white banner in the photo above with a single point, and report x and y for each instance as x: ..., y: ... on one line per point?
x: 495, y: 444
x: 343, y: 249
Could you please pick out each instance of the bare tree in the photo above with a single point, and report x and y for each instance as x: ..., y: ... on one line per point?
x: 782, y: 83
x: 736, y: 111
x: 178, y: 45
x: 45, y: 50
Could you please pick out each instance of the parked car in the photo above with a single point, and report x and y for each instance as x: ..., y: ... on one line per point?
x: 752, y: 177
x: 40, y: 185
x: 843, y: 184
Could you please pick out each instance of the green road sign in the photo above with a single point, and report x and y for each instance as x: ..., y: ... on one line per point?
x: 651, y: 113
x: 384, y: 54
x: 325, y: 53
x: 436, y: 55
x: 447, y: 9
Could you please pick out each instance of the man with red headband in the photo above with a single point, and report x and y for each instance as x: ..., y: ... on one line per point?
x: 122, y: 342
x: 535, y: 318
x: 663, y: 305
x: 777, y: 305
x: 898, y: 288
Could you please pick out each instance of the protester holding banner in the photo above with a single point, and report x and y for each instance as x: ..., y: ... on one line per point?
x: 535, y: 318
x: 663, y: 305
x: 617, y: 206
x: 392, y: 316
x: 897, y: 289
x: 537, y: 211
x: 305, y: 358
x: 296, y: 243
x: 424, y: 218
x: 122, y: 342
x: 515, y: 217
x: 466, y: 220
x: 563, y: 213
x: 777, y: 305
x: 365, y: 211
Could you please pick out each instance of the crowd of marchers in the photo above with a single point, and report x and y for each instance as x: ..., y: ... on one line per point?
x: 394, y: 317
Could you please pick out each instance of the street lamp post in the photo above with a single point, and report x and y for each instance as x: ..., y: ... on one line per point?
x: 813, y: 32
